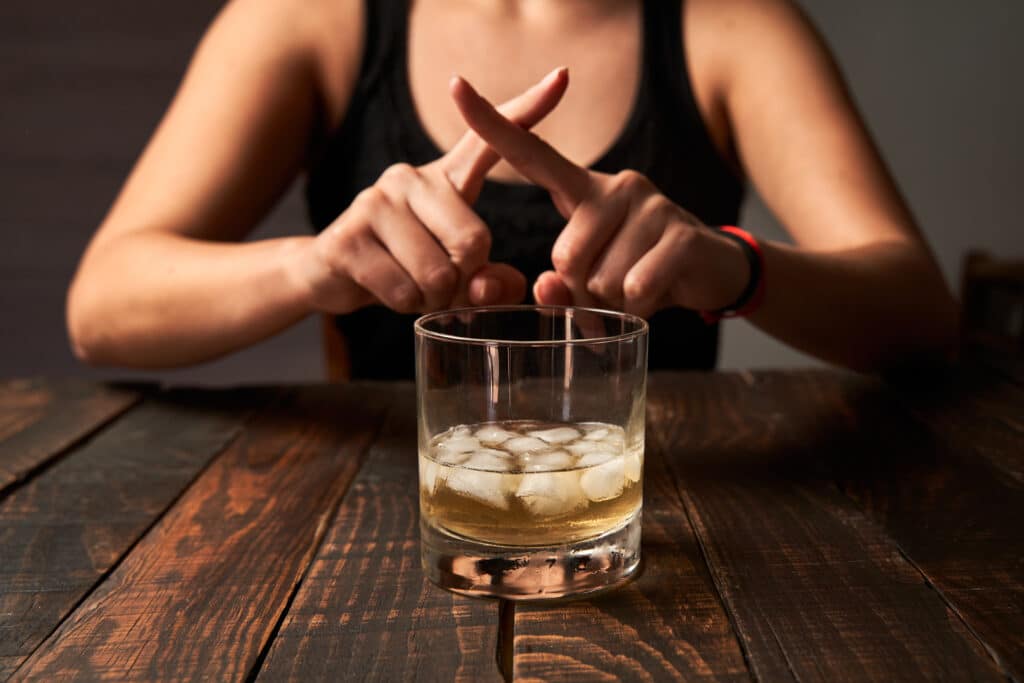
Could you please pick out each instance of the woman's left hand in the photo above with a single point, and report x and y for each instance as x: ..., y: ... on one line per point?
x: 626, y: 246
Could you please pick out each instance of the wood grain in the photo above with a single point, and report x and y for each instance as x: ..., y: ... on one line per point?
x: 816, y: 590
x: 667, y: 625
x: 940, y: 492
x: 40, y: 419
x: 974, y: 412
x: 64, y: 529
x: 365, y: 610
x: 200, y: 595
x: 852, y: 531
x: 1010, y: 368
x: 22, y: 402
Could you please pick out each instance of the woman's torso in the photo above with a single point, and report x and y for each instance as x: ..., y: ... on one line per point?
x: 634, y: 97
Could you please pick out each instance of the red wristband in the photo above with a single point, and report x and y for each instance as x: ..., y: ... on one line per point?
x: 753, y: 294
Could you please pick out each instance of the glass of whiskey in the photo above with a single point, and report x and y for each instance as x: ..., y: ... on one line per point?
x: 531, y: 445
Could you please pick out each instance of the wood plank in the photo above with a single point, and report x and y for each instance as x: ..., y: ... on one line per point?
x: 668, y: 624
x: 200, y: 595
x: 365, y: 610
x: 61, y: 532
x: 22, y: 402
x: 1009, y: 367
x: 40, y: 419
x: 974, y: 412
x: 954, y: 514
x: 816, y: 590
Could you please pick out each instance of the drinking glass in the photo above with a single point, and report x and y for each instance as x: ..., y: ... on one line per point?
x: 531, y: 442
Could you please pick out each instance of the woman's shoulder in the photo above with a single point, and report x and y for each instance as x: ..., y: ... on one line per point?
x: 724, y: 34
x: 734, y: 44
x: 324, y: 37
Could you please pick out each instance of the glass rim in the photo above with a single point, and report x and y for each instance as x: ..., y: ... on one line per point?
x: 421, y: 331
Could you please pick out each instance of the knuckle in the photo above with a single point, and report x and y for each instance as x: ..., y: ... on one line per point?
x: 681, y: 235
x: 657, y: 208
x: 667, y: 212
x: 440, y: 281
x: 403, y: 298
x: 564, y: 257
x: 603, y: 287
x: 631, y: 181
x: 371, y: 200
x: 472, y: 241
x: 637, y: 287
x: 401, y: 174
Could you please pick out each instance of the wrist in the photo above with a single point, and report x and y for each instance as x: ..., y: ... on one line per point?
x: 300, y: 264
x: 746, y: 298
x: 731, y: 270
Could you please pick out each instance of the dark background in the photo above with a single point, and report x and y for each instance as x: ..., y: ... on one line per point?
x: 82, y: 84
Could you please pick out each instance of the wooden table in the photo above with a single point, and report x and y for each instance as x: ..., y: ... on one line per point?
x: 803, y: 525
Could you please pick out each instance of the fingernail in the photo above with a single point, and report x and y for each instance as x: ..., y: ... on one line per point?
x: 484, y: 291
x: 454, y: 81
x: 538, y: 293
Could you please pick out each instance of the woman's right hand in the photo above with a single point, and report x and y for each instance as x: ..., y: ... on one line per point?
x: 412, y: 241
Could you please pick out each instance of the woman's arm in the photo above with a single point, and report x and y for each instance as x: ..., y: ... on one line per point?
x: 161, y: 284
x: 860, y: 287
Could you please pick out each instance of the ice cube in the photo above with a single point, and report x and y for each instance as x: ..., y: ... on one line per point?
x: 556, y: 435
x: 489, y: 460
x: 604, y: 482
x: 597, y: 434
x: 484, y: 487
x: 454, y: 450
x: 493, y: 435
x: 634, y: 465
x: 523, y: 444
x: 584, y: 448
x: 448, y: 458
x: 615, y: 438
x: 594, y: 458
x: 428, y: 474
x: 459, y: 444
x: 547, y: 461
x: 551, y: 493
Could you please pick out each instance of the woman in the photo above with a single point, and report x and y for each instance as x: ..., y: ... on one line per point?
x: 671, y: 105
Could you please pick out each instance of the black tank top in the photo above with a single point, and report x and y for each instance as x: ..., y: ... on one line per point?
x: 664, y: 138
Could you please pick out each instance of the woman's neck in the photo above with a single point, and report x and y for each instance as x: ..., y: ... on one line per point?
x: 548, y: 11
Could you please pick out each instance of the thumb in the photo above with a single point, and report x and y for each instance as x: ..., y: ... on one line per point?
x: 497, y: 283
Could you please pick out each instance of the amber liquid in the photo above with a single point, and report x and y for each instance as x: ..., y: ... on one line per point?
x: 558, y: 493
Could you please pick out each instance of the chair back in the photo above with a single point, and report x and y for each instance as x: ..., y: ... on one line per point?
x: 992, y: 294
x: 336, y: 356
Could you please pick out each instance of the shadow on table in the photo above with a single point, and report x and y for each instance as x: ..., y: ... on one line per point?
x: 823, y: 425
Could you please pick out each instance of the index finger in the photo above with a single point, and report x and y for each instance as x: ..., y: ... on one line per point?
x: 471, y: 158
x: 541, y: 163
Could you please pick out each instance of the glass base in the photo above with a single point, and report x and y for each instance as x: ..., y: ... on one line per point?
x: 483, y: 570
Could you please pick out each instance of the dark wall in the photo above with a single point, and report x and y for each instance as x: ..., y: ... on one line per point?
x: 83, y: 83
x: 82, y: 86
